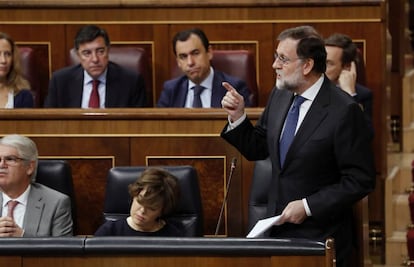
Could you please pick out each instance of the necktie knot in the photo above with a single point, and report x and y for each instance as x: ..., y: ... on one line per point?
x: 297, y: 102
x: 197, y: 90
x: 10, y: 207
x: 94, y: 97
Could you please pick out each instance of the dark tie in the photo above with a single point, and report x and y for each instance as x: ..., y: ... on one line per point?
x: 290, y: 127
x: 10, y: 208
x: 197, y: 99
x: 94, y: 97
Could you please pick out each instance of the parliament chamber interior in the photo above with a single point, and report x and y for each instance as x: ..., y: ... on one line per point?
x: 94, y: 141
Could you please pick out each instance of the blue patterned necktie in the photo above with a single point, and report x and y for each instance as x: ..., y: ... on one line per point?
x: 290, y: 128
x: 197, y: 99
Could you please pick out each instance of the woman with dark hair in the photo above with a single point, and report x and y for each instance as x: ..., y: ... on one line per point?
x: 154, y: 196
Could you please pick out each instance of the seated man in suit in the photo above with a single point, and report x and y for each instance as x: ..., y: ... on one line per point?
x: 201, y: 86
x: 28, y: 209
x: 341, y: 69
x: 96, y: 82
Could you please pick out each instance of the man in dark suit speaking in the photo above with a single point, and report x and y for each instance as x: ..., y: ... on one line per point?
x: 96, y: 82
x: 319, y: 146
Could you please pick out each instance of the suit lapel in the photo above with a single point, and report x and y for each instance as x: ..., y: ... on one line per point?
x: 111, y: 95
x: 76, y: 88
x: 281, y: 107
x: 217, y: 92
x: 34, y: 211
x: 312, y: 120
x: 181, y: 94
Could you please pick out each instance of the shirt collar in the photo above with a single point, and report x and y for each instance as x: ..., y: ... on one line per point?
x: 22, y: 199
x: 88, y: 79
x: 312, y: 91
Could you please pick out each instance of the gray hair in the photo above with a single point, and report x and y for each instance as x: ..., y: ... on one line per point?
x: 26, y: 149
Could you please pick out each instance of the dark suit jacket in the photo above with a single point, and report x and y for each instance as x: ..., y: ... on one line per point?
x: 364, y: 98
x: 174, y: 93
x: 329, y: 162
x: 24, y: 99
x: 48, y: 213
x: 124, y: 88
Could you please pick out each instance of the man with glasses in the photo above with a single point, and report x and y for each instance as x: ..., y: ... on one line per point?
x: 319, y: 146
x: 96, y: 82
x: 28, y: 209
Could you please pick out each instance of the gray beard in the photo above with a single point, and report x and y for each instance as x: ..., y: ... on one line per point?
x: 285, y: 86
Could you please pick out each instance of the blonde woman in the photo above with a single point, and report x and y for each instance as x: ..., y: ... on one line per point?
x: 14, y: 88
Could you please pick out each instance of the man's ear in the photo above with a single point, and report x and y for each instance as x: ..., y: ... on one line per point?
x: 308, y: 66
x: 31, y: 168
x: 210, y: 52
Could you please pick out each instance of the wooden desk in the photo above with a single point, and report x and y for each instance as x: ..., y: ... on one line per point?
x: 160, y: 252
x: 93, y: 141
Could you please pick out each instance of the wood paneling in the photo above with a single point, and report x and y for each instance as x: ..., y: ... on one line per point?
x: 229, y: 23
x: 93, y: 142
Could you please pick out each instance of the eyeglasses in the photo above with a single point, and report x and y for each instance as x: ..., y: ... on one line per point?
x: 11, y: 160
x: 99, y: 52
x: 285, y: 60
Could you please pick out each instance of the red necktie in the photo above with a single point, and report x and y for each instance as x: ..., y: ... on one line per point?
x: 94, y: 97
x: 10, y: 208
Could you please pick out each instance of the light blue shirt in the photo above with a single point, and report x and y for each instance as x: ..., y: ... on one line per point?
x: 87, y: 89
x: 205, y: 94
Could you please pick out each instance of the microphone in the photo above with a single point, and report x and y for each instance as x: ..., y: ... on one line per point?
x: 232, y: 167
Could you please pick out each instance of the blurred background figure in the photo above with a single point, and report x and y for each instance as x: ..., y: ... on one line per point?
x: 14, y: 88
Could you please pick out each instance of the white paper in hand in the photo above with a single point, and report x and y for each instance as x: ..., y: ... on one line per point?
x: 262, y: 225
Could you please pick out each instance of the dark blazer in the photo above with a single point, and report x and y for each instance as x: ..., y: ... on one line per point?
x: 23, y: 99
x: 330, y: 162
x: 174, y: 93
x: 124, y: 88
x: 364, y: 98
x: 48, y: 213
x: 121, y: 228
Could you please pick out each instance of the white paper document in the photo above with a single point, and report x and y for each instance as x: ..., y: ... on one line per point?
x: 262, y: 225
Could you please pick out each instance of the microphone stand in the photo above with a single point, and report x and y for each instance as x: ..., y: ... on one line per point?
x: 232, y: 167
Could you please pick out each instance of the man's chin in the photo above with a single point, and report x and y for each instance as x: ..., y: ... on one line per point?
x: 279, y: 85
x: 95, y: 73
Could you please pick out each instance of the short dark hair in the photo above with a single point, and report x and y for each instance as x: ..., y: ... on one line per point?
x: 349, y: 49
x: 161, y: 190
x: 89, y: 33
x: 185, y: 34
x: 310, y: 45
